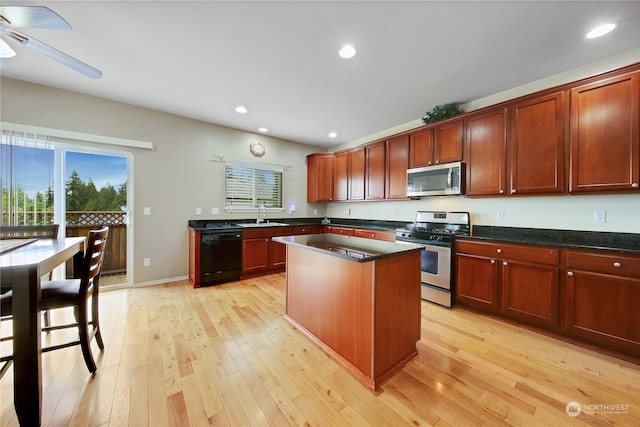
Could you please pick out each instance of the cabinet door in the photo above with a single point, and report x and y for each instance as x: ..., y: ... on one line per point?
x: 397, y: 164
x: 537, y: 145
x: 603, y: 308
x: 278, y: 254
x: 340, y: 176
x: 319, y: 177
x: 476, y: 281
x: 605, y: 127
x: 486, y: 153
x: 421, y: 148
x: 530, y: 292
x: 356, y: 173
x: 255, y: 254
x: 448, y: 142
x: 375, y: 170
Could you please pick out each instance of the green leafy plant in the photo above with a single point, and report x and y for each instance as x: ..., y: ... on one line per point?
x: 441, y: 112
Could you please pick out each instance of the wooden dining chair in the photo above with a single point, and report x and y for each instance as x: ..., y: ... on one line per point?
x: 75, y: 293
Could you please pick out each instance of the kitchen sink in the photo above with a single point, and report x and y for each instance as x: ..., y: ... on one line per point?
x: 263, y: 224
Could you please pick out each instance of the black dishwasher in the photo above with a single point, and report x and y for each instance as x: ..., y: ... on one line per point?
x: 220, y: 256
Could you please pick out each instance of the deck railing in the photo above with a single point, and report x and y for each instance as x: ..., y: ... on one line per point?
x: 79, y: 224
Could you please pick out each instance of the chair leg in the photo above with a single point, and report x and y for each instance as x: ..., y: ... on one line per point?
x: 95, y: 318
x: 84, y: 337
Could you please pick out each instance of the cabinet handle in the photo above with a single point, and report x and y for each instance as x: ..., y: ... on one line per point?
x: 513, y: 191
x: 505, y: 263
x: 373, y: 235
x: 635, y: 185
x: 437, y: 161
x: 501, y: 191
x: 570, y: 273
x: 499, y: 251
x: 429, y: 163
x: 617, y: 264
x: 493, y: 261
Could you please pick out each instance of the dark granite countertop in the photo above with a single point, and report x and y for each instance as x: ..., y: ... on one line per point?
x: 352, y: 248
x: 207, y: 225
x: 608, y: 241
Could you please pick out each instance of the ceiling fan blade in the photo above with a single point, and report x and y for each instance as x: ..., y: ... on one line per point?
x: 32, y: 17
x: 52, y: 53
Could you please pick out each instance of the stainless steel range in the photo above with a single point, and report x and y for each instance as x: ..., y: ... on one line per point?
x: 436, y: 231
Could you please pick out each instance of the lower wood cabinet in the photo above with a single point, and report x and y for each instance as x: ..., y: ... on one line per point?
x: 260, y: 254
x: 602, y: 297
x: 517, y: 281
x: 589, y: 295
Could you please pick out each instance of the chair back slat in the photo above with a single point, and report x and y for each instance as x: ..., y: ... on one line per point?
x: 46, y: 231
x: 93, y: 258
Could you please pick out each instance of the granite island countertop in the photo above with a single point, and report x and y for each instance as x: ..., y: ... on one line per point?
x: 594, y: 240
x: 348, y: 247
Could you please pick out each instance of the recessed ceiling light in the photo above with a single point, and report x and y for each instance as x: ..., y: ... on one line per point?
x: 263, y: 130
x: 347, y: 51
x: 333, y: 135
x: 240, y: 109
x: 600, y: 30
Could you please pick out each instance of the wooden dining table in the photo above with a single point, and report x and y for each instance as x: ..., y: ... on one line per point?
x: 23, y: 266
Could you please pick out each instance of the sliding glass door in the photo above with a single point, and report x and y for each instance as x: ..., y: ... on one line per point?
x: 79, y: 187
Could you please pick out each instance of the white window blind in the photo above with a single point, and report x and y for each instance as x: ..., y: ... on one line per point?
x: 250, y: 186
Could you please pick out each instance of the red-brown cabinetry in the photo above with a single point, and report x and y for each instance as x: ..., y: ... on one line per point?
x: 516, y: 281
x: 602, y: 296
x: 375, y: 157
x: 397, y: 165
x: 320, y: 177
x: 605, y: 141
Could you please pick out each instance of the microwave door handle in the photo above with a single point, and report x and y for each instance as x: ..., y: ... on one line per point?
x: 450, y: 178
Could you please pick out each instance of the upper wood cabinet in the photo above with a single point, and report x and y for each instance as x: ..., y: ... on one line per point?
x: 357, y: 173
x: 320, y: 177
x: 397, y: 164
x: 437, y: 144
x: 421, y: 148
x: 375, y: 156
x: 536, y: 145
x: 486, y: 152
x: 605, y: 146
x: 341, y: 176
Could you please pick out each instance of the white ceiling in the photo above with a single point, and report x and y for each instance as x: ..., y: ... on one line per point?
x: 201, y: 59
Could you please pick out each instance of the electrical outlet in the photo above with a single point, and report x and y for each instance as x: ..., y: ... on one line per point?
x: 599, y: 216
x: 147, y: 262
x: 500, y: 214
x: 198, y: 211
x: 315, y: 211
x: 215, y: 211
x: 147, y: 211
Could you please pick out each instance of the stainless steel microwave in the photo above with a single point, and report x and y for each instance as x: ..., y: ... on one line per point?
x: 440, y: 180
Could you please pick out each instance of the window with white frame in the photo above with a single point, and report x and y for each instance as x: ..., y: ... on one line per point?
x: 249, y: 186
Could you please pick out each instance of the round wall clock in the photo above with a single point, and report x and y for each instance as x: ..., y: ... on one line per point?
x: 257, y: 149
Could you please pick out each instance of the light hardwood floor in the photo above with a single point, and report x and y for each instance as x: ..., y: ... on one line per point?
x: 224, y: 355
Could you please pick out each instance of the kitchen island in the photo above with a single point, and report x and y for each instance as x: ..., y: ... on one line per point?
x: 358, y: 299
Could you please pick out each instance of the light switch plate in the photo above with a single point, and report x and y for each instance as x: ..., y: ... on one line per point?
x: 147, y: 211
x: 198, y: 211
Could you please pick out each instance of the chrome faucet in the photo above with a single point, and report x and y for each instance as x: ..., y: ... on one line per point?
x: 258, y: 219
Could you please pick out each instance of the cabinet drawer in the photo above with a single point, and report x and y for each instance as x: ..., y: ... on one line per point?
x: 528, y: 253
x: 345, y: 231
x: 617, y: 264
x: 267, y: 232
x: 389, y: 236
x: 308, y: 229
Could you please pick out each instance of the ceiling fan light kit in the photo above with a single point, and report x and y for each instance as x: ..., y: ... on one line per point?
x: 44, y: 18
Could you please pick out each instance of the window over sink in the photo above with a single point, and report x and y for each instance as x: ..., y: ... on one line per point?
x: 249, y: 186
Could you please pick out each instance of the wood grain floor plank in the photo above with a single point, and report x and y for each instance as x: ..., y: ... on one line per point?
x: 224, y: 355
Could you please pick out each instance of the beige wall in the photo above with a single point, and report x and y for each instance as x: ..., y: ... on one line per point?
x: 173, y: 179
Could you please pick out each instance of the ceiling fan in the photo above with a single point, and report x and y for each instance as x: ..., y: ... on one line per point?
x: 12, y: 17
